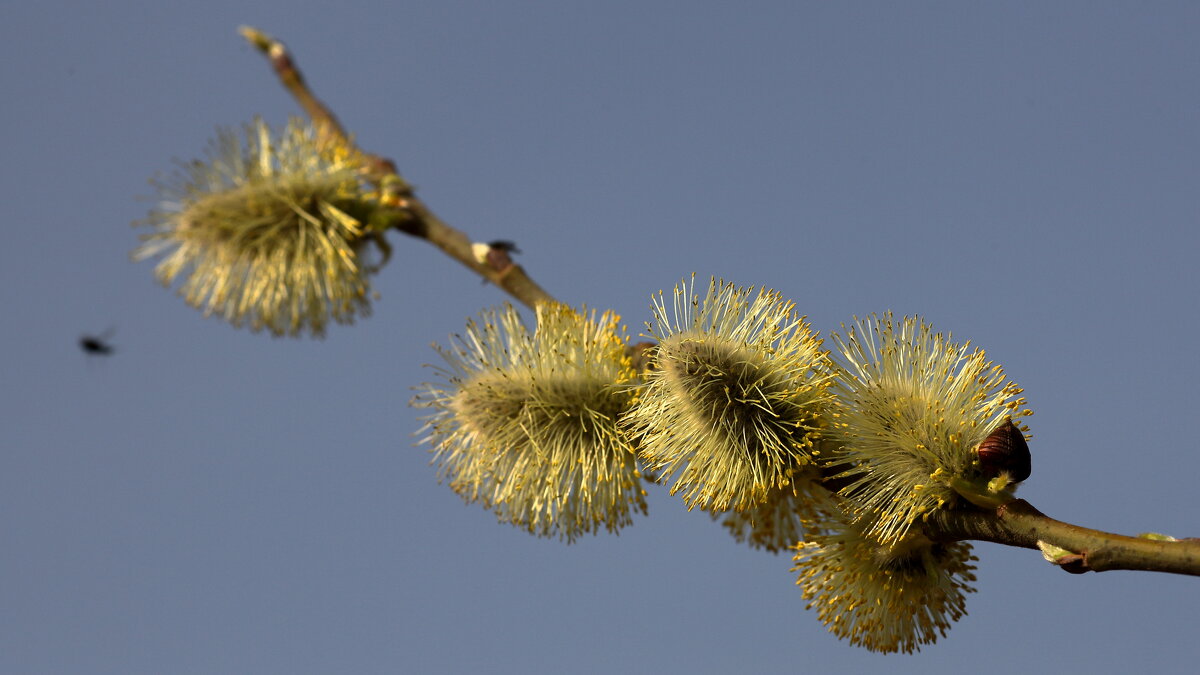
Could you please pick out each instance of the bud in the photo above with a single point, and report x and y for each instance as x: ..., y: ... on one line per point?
x: 267, y: 232
x: 884, y: 598
x: 526, y: 424
x: 788, y: 516
x: 914, y: 409
x: 734, y: 397
x: 1005, y: 451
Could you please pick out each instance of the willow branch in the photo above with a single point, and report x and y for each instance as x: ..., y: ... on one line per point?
x: 1079, y: 549
x: 1073, y: 548
x: 407, y: 213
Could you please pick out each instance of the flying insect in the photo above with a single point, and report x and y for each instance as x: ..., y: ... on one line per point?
x: 97, y: 345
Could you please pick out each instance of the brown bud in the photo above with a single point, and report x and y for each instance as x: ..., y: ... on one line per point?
x: 1005, y: 450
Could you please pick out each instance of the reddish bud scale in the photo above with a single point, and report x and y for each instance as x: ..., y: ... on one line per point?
x: 1005, y: 450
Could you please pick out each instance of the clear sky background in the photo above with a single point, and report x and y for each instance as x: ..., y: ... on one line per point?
x: 208, y: 500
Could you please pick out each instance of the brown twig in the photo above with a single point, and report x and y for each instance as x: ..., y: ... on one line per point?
x: 409, y: 214
x: 1015, y: 524
x: 1019, y: 524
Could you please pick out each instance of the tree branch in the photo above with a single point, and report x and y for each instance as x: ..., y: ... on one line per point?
x: 1080, y: 549
x: 408, y: 213
x: 1073, y: 548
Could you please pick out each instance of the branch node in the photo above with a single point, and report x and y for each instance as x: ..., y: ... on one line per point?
x: 1074, y: 564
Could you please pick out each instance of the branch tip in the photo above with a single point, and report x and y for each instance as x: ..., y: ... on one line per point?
x: 259, y: 39
x: 416, y: 219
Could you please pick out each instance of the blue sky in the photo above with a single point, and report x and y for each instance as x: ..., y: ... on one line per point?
x: 208, y: 500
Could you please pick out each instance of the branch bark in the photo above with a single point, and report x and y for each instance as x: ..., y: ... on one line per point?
x: 1018, y: 523
x: 410, y: 215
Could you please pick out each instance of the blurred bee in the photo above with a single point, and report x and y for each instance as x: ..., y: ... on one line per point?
x: 97, y: 345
